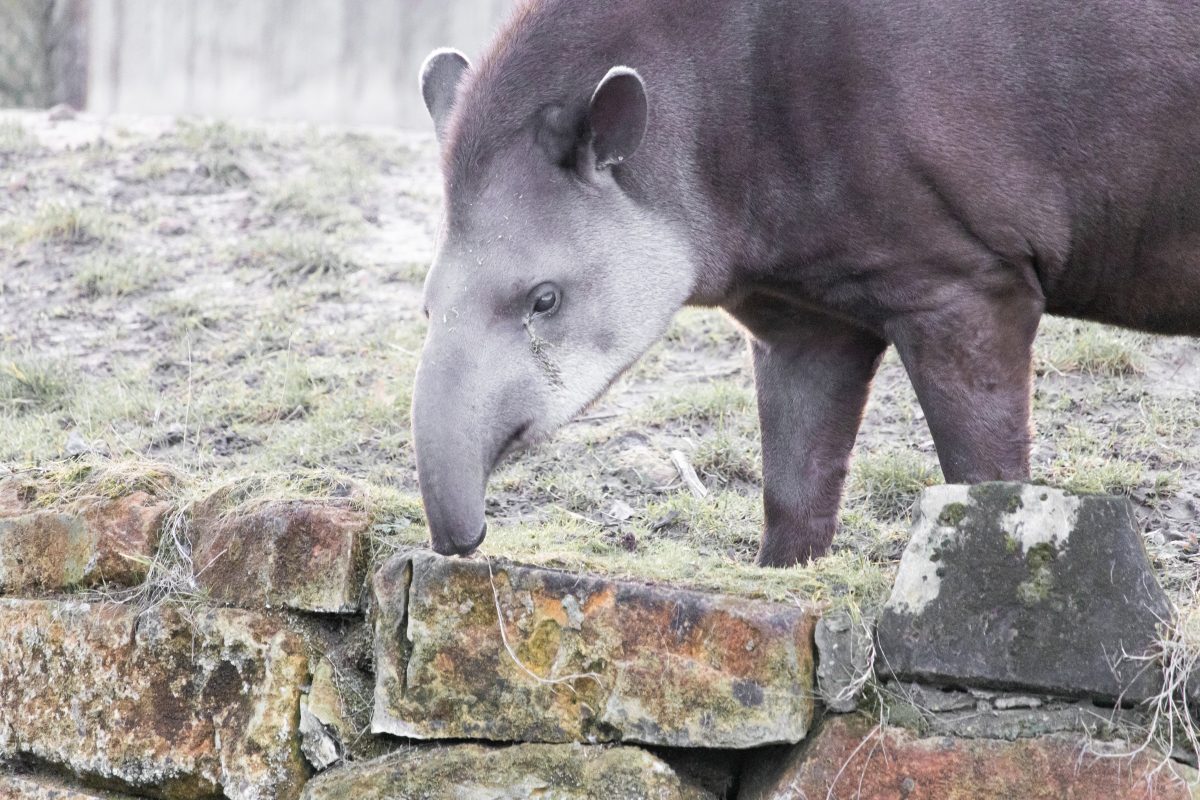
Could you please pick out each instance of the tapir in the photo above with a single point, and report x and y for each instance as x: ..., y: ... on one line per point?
x: 840, y: 176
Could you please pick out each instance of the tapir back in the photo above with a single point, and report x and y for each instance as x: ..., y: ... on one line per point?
x: 1062, y: 136
x: 805, y: 139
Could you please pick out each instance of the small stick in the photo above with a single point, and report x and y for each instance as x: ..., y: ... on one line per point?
x: 600, y: 415
x: 688, y: 473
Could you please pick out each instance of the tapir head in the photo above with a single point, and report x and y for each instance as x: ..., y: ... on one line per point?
x: 551, y: 275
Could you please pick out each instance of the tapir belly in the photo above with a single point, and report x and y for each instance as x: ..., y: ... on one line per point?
x: 1159, y: 294
x: 1142, y: 271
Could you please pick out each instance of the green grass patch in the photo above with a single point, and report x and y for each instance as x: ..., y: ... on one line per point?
x: 411, y: 271
x: 31, y: 383
x: 1089, y: 348
x: 289, y: 259
x: 200, y: 136
x: 156, y: 166
x: 14, y: 137
x: 1092, y: 474
x: 312, y: 201
x: 283, y: 390
x: 713, y: 403
x: 728, y: 455
x: 95, y: 476
x: 887, y: 483
x: 109, y: 275
x: 68, y: 223
x: 188, y: 314
x: 844, y: 578
x: 704, y: 328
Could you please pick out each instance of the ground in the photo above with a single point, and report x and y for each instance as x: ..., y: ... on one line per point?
x: 240, y: 305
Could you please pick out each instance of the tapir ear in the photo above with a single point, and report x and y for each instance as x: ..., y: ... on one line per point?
x: 440, y: 76
x: 617, y: 116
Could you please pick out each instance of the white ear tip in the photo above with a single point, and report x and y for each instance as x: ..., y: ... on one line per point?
x: 432, y: 58
x: 614, y: 73
x: 619, y: 71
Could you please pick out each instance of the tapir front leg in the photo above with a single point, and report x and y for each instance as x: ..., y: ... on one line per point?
x: 812, y: 374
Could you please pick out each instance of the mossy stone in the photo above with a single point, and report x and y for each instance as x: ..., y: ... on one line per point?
x: 1028, y: 588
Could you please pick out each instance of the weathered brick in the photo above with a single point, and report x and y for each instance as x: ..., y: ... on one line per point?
x: 850, y: 757
x: 600, y: 660
x: 23, y: 787
x: 301, y: 555
x: 184, y: 706
x: 87, y: 543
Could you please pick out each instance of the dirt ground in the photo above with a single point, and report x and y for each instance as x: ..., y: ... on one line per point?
x: 241, y: 304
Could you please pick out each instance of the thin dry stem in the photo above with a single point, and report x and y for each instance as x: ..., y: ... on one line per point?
x: 565, y: 680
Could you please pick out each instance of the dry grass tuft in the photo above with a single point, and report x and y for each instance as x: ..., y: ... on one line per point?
x: 68, y: 223
x: 29, y: 383
x: 293, y: 258
x: 888, y: 482
x: 14, y: 137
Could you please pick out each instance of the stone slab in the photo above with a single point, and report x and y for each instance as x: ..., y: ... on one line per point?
x: 302, y: 555
x: 851, y: 757
x: 186, y: 707
x: 582, y: 658
x: 1022, y: 587
x: 86, y: 544
x: 22, y: 787
x: 467, y: 771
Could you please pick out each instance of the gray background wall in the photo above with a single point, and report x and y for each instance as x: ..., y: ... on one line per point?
x: 346, y: 61
x: 43, y: 52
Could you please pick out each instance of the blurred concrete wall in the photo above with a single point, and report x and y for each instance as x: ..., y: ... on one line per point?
x: 347, y: 61
x: 43, y: 52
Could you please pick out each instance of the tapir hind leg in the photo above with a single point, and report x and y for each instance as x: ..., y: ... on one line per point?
x: 970, y: 360
x: 812, y: 375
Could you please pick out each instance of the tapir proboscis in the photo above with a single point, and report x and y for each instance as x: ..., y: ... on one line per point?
x: 839, y: 176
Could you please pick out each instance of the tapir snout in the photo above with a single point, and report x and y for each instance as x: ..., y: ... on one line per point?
x: 463, y: 424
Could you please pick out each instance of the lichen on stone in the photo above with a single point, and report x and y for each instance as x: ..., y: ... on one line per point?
x: 1037, y: 587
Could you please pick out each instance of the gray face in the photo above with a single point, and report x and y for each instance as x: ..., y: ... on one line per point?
x: 549, y: 281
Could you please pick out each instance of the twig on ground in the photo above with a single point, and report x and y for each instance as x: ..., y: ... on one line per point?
x: 688, y: 473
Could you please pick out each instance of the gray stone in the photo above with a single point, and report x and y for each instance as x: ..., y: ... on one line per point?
x: 1024, y: 588
x: 474, y: 772
x: 1021, y: 723
x: 320, y: 743
x: 844, y: 651
x: 929, y: 698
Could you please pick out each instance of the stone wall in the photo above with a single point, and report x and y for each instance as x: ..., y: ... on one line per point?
x: 286, y: 652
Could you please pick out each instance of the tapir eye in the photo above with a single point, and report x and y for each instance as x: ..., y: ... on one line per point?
x: 545, y: 299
